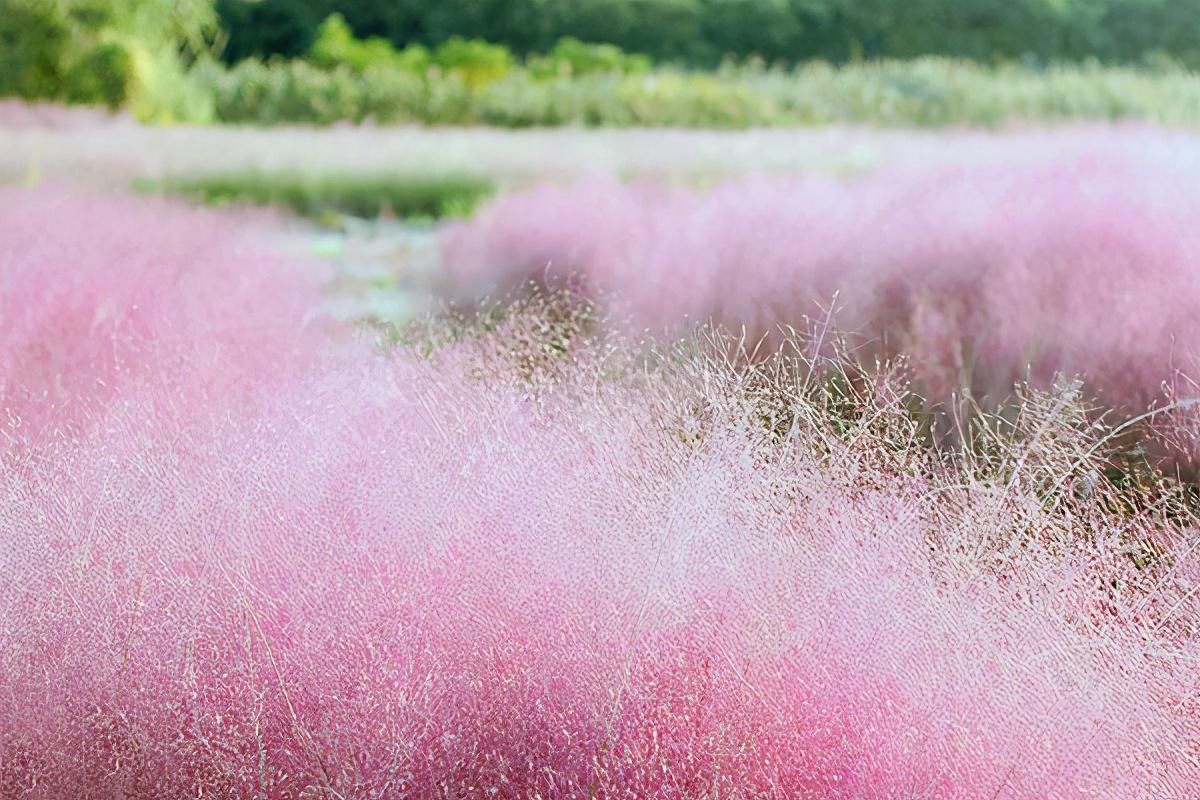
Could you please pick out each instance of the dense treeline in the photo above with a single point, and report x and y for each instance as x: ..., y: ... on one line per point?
x: 702, y: 32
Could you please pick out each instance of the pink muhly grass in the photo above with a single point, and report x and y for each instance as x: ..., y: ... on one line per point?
x: 98, y: 292
x: 406, y: 583
x: 543, y: 564
x: 1045, y: 255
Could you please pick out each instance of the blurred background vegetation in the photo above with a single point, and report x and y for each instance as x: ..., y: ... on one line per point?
x: 710, y: 63
x: 703, y: 32
x: 135, y: 53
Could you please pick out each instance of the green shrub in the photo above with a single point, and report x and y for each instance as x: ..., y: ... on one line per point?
x: 414, y: 58
x: 522, y: 101
x: 519, y: 101
x: 34, y: 44
x: 161, y: 89
x: 104, y: 74
x: 448, y: 101
x: 285, y: 91
x: 692, y: 100
x: 475, y: 62
x: 107, y: 52
x: 336, y: 46
x: 394, y: 96
x: 571, y: 57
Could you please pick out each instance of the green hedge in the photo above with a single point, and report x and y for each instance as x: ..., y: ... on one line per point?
x: 921, y: 92
x: 469, y: 82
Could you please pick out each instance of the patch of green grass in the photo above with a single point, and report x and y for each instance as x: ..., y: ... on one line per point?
x: 320, y: 195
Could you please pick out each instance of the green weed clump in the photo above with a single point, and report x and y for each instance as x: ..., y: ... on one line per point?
x: 319, y: 195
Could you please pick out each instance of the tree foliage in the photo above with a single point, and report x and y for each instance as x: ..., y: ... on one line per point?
x: 702, y: 32
x: 107, y: 52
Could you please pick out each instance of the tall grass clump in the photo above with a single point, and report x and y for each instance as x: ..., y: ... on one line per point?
x: 100, y: 293
x: 523, y: 556
x: 1039, y: 255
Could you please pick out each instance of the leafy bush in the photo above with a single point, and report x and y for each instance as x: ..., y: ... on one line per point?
x: 108, y: 53
x: 394, y: 96
x: 336, y: 46
x: 164, y: 90
x: 476, y: 62
x: 521, y: 101
x: 658, y: 99
x: 285, y: 91
x: 104, y: 74
x: 34, y: 40
x: 695, y: 100
x: 570, y: 57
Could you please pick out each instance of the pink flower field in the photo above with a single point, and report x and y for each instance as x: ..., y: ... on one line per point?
x: 100, y: 294
x: 251, y: 552
x: 1069, y: 253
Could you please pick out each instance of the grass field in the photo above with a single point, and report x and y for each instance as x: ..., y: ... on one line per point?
x: 677, y: 464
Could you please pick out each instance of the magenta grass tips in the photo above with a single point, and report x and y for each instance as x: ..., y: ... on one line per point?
x: 589, y: 570
x: 102, y: 297
x: 1025, y: 256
